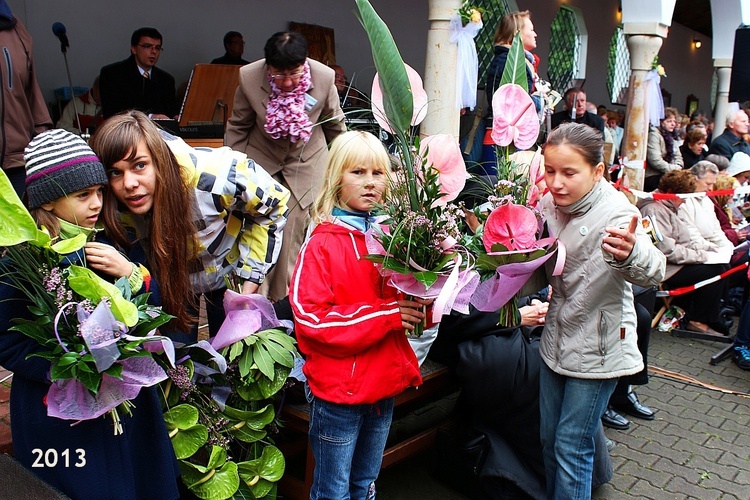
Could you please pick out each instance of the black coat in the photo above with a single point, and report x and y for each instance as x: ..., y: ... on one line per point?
x: 589, y: 119
x: 122, y: 87
x: 498, y: 369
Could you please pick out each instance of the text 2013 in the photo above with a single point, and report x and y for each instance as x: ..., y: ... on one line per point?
x: 51, y: 458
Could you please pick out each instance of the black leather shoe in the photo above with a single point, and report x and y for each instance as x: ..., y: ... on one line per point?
x: 635, y: 408
x: 614, y: 420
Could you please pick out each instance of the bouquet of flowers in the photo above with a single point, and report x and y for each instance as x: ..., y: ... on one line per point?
x: 511, y: 247
x: 97, y: 337
x: 418, y: 252
x: 470, y: 13
x: 218, y: 403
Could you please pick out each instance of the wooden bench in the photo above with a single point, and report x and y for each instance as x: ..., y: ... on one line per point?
x: 437, y: 381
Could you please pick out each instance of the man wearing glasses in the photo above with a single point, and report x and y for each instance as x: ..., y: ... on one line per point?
x: 286, y: 110
x: 136, y: 82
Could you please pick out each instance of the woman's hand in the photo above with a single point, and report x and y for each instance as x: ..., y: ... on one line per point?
x: 106, y: 259
x: 620, y: 242
x: 534, y: 314
x: 249, y: 288
x: 411, y: 311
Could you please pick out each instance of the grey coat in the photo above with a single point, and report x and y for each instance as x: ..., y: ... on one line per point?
x: 590, y: 331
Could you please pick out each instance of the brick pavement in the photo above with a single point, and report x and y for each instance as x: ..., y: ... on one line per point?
x: 699, y: 444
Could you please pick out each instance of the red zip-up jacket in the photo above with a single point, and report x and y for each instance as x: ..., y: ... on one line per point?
x: 347, y: 321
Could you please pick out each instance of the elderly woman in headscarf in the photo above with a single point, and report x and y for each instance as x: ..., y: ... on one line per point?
x: 286, y: 109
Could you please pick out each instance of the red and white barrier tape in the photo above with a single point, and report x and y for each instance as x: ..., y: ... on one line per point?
x: 687, y: 289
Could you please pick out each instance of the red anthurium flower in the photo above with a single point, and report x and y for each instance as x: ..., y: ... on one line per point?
x: 513, y: 226
x: 514, y: 117
x: 418, y: 92
x: 444, y: 155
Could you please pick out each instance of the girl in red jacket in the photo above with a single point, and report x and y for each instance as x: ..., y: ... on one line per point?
x: 350, y: 325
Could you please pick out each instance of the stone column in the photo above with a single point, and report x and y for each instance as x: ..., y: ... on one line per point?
x: 440, y: 71
x: 723, y: 75
x: 643, y: 49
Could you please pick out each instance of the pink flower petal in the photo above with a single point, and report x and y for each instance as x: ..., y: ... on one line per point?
x: 418, y: 93
x: 513, y: 226
x: 514, y: 117
x: 444, y: 155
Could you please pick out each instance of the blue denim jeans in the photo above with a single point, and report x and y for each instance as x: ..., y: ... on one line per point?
x: 570, y: 411
x: 347, y: 442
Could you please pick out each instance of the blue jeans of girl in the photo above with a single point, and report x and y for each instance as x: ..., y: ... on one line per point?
x: 570, y: 411
x: 347, y: 442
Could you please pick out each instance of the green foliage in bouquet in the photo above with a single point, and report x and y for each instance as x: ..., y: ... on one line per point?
x: 41, y: 271
x: 225, y: 451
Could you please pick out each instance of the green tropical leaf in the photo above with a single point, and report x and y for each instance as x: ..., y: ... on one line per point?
x: 263, y: 360
x: 255, y: 419
x: 70, y: 245
x: 270, y: 387
x: 262, y: 473
x: 215, y: 484
x: 515, y: 67
x: 16, y: 224
x: 279, y: 353
x: 87, y: 284
x: 398, y: 100
x: 269, y: 466
x: 246, y: 362
x: 187, y: 435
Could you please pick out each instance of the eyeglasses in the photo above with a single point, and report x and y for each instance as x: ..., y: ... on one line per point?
x: 294, y: 76
x: 149, y: 46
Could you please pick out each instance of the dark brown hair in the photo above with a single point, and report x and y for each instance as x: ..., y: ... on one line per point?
x: 170, y: 243
x: 586, y: 141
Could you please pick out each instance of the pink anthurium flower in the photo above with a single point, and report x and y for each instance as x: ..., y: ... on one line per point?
x: 444, y: 155
x: 513, y: 226
x: 418, y: 92
x: 514, y: 117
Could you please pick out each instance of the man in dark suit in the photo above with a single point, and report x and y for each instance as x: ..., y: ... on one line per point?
x: 575, y: 103
x: 732, y: 140
x: 136, y: 82
x: 234, y: 45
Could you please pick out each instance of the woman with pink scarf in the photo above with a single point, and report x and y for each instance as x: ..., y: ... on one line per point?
x: 286, y: 110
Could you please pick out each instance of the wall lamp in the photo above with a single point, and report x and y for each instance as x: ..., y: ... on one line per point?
x: 697, y: 43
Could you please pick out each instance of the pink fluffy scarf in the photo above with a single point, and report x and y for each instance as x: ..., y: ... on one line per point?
x: 285, y: 113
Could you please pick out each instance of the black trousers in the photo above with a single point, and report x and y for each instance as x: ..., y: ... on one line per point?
x: 702, y: 305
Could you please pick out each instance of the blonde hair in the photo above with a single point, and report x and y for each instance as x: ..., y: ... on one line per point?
x: 510, y: 24
x: 349, y: 148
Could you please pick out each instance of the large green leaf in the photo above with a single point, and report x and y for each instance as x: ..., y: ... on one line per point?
x: 255, y: 419
x: 69, y: 245
x: 515, y: 67
x: 398, y: 99
x: 261, y: 474
x: 269, y: 466
x: 270, y: 387
x: 187, y: 435
x: 214, y: 484
x: 16, y: 223
x: 87, y: 284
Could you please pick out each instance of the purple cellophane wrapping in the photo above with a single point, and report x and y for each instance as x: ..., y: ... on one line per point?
x: 245, y: 315
x: 70, y: 400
